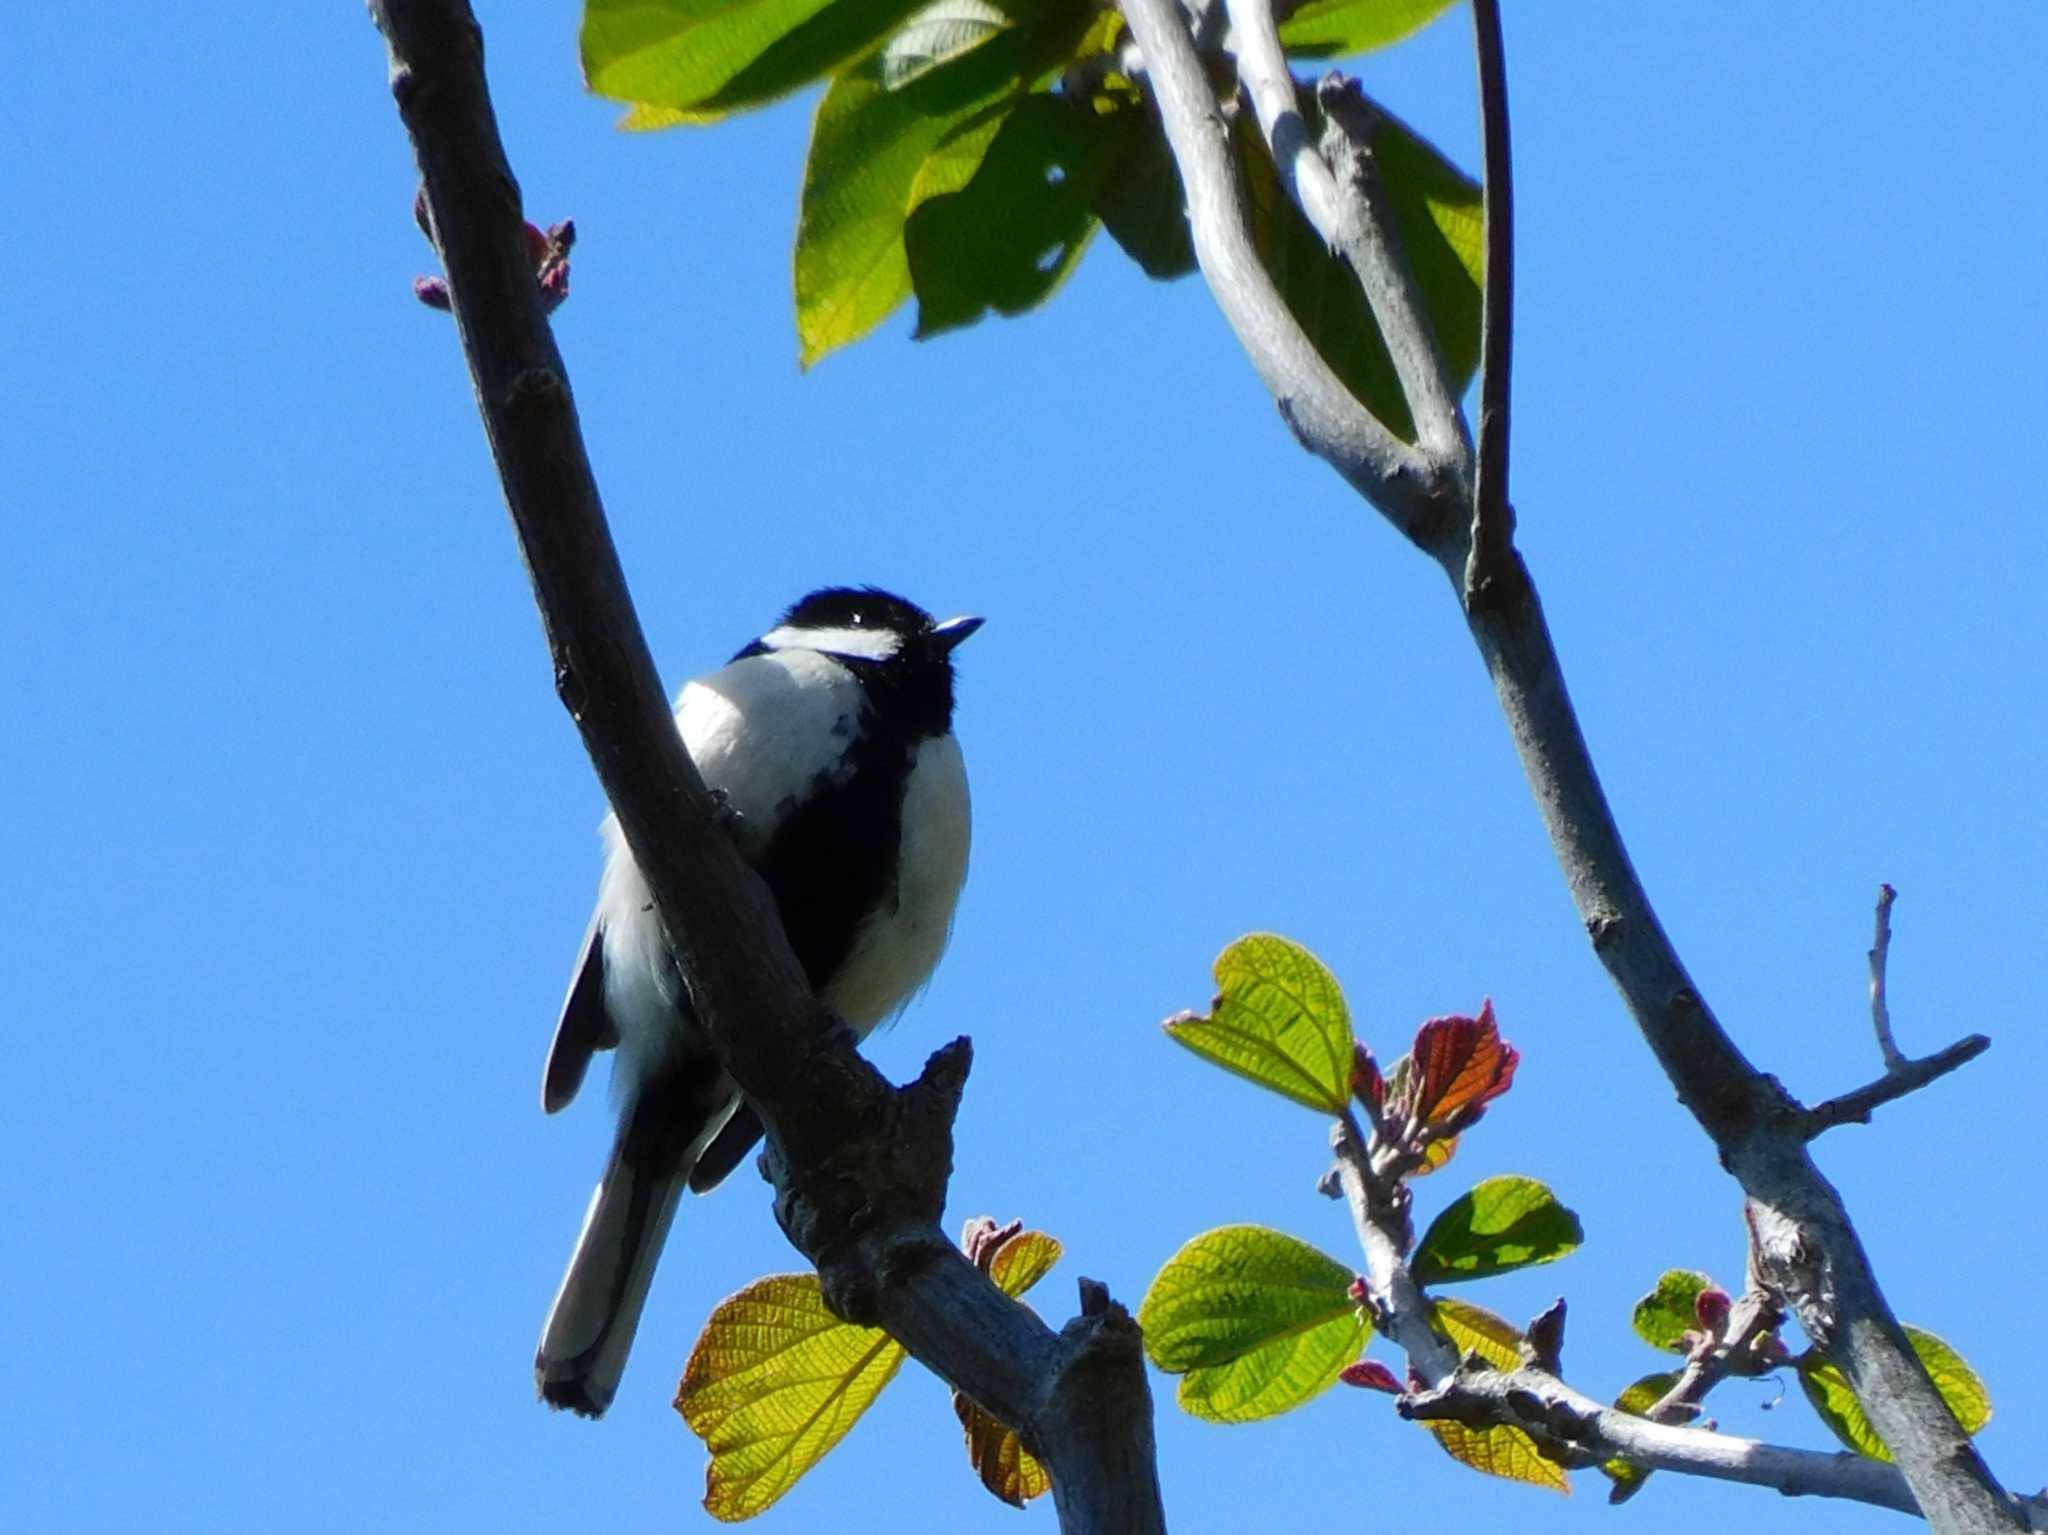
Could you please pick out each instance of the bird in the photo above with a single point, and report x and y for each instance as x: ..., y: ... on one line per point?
x: 829, y: 744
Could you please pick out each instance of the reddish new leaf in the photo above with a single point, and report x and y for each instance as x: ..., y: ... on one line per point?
x: 1367, y: 1085
x: 1460, y: 1064
x: 1372, y: 1375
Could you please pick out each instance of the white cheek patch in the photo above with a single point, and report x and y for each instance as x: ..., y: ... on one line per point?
x: 867, y: 644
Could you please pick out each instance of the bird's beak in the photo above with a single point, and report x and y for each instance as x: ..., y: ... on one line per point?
x: 952, y: 632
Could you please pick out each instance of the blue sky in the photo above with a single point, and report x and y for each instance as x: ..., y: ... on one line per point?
x: 302, y: 845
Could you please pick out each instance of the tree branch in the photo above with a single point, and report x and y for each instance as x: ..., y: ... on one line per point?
x: 1880, y: 957
x: 1339, y: 192
x: 1493, y: 516
x: 861, y: 1168
x: 1395, y: 477
x: 1584, y: 1432
x: 1901, y: 1074
x: 1813, y: 1260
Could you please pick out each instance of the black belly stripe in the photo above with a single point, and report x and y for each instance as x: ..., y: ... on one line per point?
x: 833, y: 860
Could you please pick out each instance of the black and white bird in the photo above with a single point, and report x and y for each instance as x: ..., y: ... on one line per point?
x: 830, y: 739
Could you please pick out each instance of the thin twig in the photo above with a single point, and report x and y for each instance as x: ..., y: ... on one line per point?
x: 1880, y: 956
x: 1908, y: 1076
x: 1902, y: 1074
x: 1493, y: 515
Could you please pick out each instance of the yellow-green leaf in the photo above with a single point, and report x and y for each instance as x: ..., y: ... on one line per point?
x: 1475, y: 1330
x: 774, y: 1382
x: 1337, y: 28
x: 1664, y: 1316
x: 1503, y: 1450
x: 699, y: 59
x: 1279, y: 1020
x: 1828, y: 1389
x: 1255, y: 1321
x: 1023, y: 1260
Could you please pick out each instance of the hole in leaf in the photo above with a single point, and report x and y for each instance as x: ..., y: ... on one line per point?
x: 1055, y: 175
x: 1050, y: 258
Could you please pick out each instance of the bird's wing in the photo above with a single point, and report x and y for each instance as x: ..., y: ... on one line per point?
x: 739, y: 1136
x: 584, y: 1028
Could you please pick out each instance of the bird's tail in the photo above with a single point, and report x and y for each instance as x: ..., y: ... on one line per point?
x: 590, y: 1327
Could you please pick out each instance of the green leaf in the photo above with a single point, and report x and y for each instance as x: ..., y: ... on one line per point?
x: 1503, y: 1450
x: 1255, y: 1321
x: 1011, y: 234
x: 693, y: 60
x: 1337, y: 28
x: 1279, y: 1020
x: 1503, y: 1224
x: 774, y: 1382
x: 1142, y: 205
x: 866, y: 173
x: 1828, y: 1389
x: 1664, y: 1316
x: 1639, y: 1398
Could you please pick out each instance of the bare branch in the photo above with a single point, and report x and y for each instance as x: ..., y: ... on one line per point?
x: 1907, y: 1077
x: 1493, y: 516
x: 1395, y: 477
x: 861, y: 1167
x: 1902, y: 1074
x: 1880, y: 957
x: 1583, y: 1432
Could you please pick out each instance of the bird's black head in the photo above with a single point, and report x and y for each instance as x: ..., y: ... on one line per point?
x: 903, y: 658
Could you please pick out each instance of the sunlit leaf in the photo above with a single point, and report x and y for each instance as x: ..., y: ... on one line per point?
x: 1664, y: 1316
x: 1336, y: 28
x: 702, y: 58
x: 1475, y: 1330
x: 774, y: 1382
x: 1279, y: 1020
x: 1828, y: 1389
x: 1255, y: 1321
x: 1503, y: 1450
x: 1023, y: 1260
x: 1502, y: 1224
x: 866, y: 173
